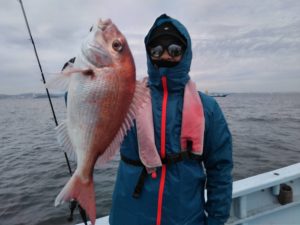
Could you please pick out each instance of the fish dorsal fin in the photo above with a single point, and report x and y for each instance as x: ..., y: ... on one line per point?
x: 64, y: 140
x: 140, y: 97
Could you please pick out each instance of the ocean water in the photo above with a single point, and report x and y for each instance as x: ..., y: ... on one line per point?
x: 265, y: 129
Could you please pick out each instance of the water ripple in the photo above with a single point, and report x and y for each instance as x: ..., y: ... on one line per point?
x: 265, y: 129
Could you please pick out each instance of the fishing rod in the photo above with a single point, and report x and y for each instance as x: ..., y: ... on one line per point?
x: 73, y: 203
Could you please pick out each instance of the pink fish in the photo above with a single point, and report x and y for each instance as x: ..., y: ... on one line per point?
x: 103, y: 98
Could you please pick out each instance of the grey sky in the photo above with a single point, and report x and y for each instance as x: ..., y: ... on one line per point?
x: 238, y: 46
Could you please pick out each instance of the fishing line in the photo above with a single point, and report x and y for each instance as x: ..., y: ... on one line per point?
x: 73, y: 202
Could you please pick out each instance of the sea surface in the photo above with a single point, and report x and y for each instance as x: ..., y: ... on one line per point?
x: 33, y: 169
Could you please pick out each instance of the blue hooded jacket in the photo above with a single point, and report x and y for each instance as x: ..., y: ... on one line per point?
x: 183, y: 197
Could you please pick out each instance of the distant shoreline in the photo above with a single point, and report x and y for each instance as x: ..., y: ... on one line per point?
x: 30, y: 95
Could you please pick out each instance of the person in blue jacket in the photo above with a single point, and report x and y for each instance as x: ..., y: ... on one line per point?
x: 176, y: 195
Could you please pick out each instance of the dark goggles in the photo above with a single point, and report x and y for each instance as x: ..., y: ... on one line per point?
x: 174, y: 50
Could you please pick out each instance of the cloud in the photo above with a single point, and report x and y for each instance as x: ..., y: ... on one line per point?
x: 263, y: 56
x: 237, y: 45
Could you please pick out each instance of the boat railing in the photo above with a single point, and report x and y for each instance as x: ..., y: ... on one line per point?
x: 268, y: 198
x: 271, y: 198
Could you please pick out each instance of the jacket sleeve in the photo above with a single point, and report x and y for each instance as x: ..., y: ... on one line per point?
x: 218, y: 163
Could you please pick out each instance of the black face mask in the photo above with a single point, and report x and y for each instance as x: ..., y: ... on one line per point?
x: 164, y: 63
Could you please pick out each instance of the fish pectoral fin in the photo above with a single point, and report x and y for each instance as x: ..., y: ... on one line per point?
x: 61, y: 81
x: 141, y: 96
x: 64, y: 140
x: 83, y: 192
x: 58, y: 81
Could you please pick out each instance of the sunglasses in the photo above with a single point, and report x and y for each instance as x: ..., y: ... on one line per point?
x: 174, y: 50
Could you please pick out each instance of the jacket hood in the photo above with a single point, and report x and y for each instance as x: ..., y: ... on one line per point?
x: 177, y: 76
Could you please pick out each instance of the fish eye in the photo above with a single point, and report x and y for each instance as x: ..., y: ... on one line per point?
x: 117, y: 45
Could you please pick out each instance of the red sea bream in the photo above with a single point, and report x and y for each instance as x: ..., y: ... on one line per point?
x: 103, y: 95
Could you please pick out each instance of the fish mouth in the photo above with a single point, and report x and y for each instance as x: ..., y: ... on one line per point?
x: 93, y: 48
x: 103, y: 24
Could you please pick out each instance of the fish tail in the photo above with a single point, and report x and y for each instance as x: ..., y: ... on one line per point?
x: 83, y: 192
